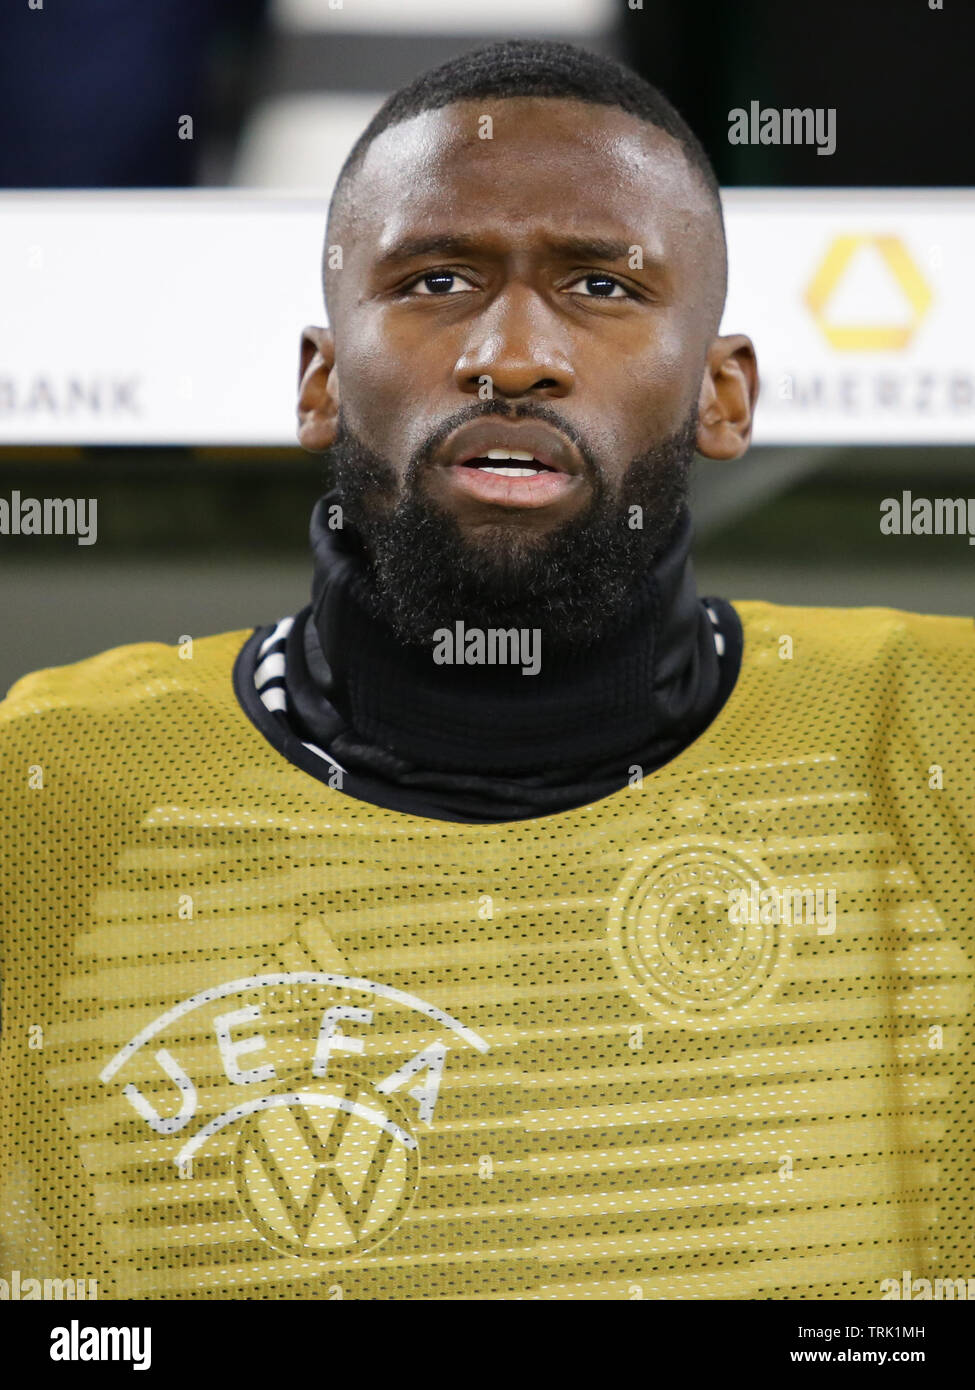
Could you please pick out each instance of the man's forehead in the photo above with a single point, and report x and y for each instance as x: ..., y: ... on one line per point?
x: 525, y: 155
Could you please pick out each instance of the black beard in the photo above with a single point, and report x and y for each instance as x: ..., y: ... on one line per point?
x: 573, y: 583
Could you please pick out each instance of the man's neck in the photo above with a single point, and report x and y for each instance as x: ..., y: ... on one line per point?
x: 490, y: 737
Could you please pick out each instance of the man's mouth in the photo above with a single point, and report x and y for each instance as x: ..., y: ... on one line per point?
x: 521, y: 464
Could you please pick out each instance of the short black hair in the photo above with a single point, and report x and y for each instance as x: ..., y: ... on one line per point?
x: 532, y: 68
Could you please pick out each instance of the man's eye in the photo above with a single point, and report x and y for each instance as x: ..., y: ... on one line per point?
x: 439, y: 282
x: 600, y: 287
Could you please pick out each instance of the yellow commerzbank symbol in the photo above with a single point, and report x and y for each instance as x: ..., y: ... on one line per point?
x: 868, y: 337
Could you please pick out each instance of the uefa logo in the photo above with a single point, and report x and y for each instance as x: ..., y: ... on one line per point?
x: 319, y: 1152
x: 678, y: 950
x: 329, y: 1171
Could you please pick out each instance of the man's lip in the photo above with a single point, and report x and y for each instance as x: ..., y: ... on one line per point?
x: 545, y: 443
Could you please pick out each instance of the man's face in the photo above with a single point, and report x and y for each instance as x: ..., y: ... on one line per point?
x: 549, y: 292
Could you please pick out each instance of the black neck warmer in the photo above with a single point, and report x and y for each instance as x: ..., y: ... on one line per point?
x: 487, y: 742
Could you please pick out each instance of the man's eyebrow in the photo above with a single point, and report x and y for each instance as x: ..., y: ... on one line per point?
x: 582, y: 248
x: 438, y: 244
x: 588, y: 248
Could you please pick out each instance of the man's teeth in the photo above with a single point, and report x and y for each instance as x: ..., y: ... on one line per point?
x: 511, y: 472
x: 519, y: 454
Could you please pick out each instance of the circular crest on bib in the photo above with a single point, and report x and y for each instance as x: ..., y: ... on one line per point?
x: 688, y: 937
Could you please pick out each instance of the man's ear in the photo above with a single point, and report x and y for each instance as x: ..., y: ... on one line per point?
x: 318, y: 390
x: 727, y: 402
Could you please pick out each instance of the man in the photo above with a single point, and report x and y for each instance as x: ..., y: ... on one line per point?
x: 511, y: 922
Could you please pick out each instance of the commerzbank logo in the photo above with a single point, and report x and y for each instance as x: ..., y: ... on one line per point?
x: 867, y: 294
x: 305, y: 1092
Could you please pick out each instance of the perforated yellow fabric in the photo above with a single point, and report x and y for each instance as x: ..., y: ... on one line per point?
x: 263, y: 1040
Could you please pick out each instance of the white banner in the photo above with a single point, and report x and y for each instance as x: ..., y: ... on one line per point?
x: 858, y: 304
x: 173, y: 318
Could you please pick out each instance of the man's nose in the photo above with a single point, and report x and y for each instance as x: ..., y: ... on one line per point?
x: 519, y: 346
